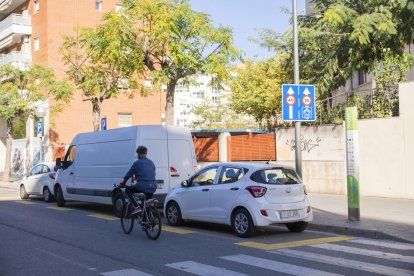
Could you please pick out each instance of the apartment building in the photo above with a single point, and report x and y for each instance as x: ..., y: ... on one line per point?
x: 32, y: 31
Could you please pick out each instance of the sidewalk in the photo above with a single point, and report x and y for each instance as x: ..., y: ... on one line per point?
x: 381, y: 218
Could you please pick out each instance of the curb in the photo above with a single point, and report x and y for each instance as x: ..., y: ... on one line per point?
x: 366, y: 233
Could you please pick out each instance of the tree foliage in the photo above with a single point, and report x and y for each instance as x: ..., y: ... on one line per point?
x: 20, y: 90
x: 256, y: 89
x: 176, y: 42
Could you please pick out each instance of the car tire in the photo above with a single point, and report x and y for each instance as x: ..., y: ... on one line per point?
x: 60, y: 200
x: 297, y: 227
x: 118, y: 202
x: 23, y: 194
x: 173, y: 214
x: 47, y: 196
x: 242, y: 223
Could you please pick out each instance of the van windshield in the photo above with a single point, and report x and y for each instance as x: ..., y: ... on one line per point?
x: 276, y: 176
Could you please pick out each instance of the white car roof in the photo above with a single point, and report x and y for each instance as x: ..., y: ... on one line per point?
x: 254, y: 165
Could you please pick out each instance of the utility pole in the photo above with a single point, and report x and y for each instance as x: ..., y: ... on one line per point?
x: 298, y: 150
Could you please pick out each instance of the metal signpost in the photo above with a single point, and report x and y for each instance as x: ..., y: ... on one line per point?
x: 103, y: 123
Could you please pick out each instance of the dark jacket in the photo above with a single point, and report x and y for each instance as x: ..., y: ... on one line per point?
x: 144, y: 170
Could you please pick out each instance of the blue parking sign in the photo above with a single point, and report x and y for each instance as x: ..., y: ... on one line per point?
x: 298, y: 103
x: 103, y: 123
x: 39, y: 127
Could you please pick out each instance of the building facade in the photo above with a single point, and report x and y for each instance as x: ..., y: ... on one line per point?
x: 32, y: 31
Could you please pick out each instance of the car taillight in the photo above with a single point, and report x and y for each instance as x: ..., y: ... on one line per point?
x: 52, y: 175
x: 173, y: 170
x: 304, y: 190
x: 263, y: 212
x: 308, y: 209
x: 257, y: 191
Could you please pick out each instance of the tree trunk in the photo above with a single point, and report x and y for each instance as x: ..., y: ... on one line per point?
x: 6, y: 173
x: 169, y: 106
x: 96, y: 109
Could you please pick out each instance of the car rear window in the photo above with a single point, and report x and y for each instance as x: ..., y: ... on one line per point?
x: 276, y: 176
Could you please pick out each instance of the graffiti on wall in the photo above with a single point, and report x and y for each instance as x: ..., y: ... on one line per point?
x: 306, y: 145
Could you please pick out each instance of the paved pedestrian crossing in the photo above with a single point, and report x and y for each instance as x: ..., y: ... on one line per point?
x: 351, y: 257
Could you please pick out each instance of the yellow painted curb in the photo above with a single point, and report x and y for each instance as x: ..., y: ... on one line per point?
x: 25, y: 202
x: 273, y: 246
x: 6, y: 198
x: 105, y: 217
x: 63, y: 209
x: 176, y: 230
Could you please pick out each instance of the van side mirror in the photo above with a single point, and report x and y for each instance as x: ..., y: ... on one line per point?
x: 185, y: 184
x: 58, y: 163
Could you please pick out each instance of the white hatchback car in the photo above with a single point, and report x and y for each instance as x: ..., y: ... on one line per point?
x: 244, y: 195
x: 39, y: 181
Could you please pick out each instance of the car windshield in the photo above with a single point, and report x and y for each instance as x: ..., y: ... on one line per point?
x: 276, y: 176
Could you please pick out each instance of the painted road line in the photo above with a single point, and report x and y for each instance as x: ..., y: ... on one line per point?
x: 388, y: 244
x: 63, y: 209
x: 176, y: 230
x: 125, y: 272
x: 366, y: 252
x: 375, y: 268
x: 274, y: 246
x: 25, y: 202
x: 276, y: 266
x: 105, y: 217
x: 203, y: 269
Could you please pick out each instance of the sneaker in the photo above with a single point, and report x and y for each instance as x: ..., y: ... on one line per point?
x: 136, y: 211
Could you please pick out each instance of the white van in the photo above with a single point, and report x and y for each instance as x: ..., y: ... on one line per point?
x: 96, y: 160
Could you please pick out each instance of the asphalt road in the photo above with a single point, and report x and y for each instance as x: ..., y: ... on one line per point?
x: 36, y: 238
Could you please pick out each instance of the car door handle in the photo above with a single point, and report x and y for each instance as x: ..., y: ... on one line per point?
x: 205, y: 190
x: 234, y: 189
x: 71, y: 173
x: 175, y: 175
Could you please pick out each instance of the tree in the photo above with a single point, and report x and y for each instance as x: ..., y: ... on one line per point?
x: 176, y: 42
x: 103, y: 61
x: 342, y: 36
x: 20, y: 90
x: 256, y: 89
x: 219, y: 116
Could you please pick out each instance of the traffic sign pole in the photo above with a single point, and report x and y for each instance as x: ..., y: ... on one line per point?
x: 298, y: 151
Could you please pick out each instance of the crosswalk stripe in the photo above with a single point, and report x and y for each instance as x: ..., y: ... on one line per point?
x: 273, y: 246
x: 388, y: 244
x: 176, y: 230
x: 203, y: 269
x: 276, y: 266
x: 105, y: 217
x: 126, y: 272
x: 63, y: 209
x: 365, y: 252
x: 379, y: 269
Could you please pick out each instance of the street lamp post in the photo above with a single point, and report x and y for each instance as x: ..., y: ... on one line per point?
x: 40, y: 112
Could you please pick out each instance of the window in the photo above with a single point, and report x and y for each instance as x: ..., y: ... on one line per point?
x: 36, y: 6
x: 36, y: 44
x: 70, y: 156
x: 124, y: 119
x: 362, y: 77
x: 230, y: 175
x: 98, y: 5
x: 277, y: 176
x: 118, y: 7
x: 35, y: 170
x: 45, y: 169
x: 205, y: 177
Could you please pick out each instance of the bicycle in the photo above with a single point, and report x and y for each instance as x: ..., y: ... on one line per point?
x: 149, y: 218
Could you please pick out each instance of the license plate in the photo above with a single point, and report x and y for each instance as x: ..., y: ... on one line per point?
x: 289, y: 213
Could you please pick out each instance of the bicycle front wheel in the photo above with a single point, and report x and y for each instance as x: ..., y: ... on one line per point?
x: 152, y: 223
x: 127, y: 220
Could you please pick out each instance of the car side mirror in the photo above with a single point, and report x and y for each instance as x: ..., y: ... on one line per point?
x: 185, y: 184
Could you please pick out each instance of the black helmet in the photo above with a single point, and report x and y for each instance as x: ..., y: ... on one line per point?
x: 142, y: 150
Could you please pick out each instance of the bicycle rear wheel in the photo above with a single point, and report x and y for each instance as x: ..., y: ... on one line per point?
x: 127, y: 220
x: 152, y: 223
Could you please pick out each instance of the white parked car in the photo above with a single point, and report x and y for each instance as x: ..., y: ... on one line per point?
x: 39, y: 181
x: 244, y: 195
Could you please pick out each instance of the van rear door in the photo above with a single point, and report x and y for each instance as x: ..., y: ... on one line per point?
x: 181, y: 160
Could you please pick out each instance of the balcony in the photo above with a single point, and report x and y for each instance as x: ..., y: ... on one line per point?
x: 18, y: 59
x: 8, y: 6
x: 12, y: 28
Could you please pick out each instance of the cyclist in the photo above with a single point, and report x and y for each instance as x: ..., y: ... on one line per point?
x: 144, y: 170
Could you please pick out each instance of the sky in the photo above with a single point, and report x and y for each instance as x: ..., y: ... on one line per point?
x: 247, y: 17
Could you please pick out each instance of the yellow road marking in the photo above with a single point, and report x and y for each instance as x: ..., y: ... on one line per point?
x: 106, y: 217
x: 176, y: 230
x: 63, y: 209
x: 274, y: 246
x: 25, y: 202
x: 4, y: 198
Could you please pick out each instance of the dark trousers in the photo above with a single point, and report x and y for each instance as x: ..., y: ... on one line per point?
x: 130, y: 190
